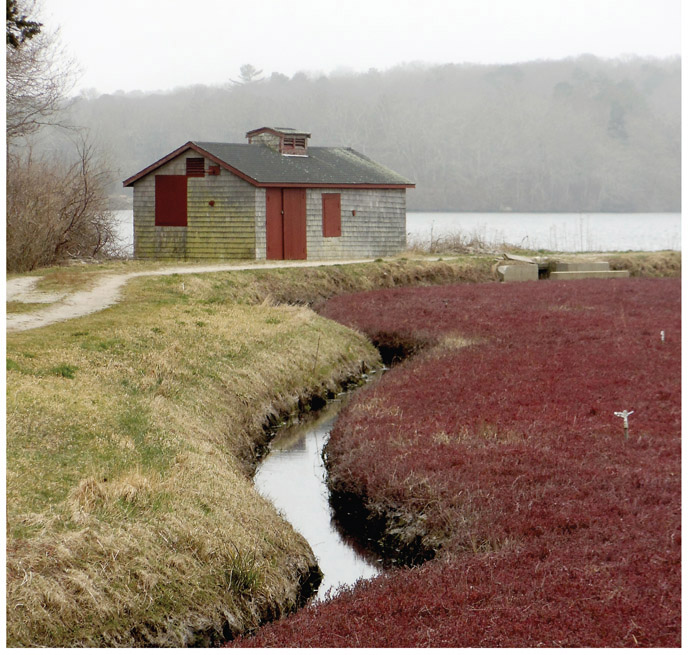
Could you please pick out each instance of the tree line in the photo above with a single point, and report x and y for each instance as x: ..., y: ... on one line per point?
x: 580, y: 134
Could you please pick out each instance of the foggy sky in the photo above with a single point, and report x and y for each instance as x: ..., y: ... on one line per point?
x: 161, y: 44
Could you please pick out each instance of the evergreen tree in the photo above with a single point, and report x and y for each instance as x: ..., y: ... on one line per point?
x: 19, y: 27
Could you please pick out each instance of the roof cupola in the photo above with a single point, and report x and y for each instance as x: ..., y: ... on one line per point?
x: 285, y: 140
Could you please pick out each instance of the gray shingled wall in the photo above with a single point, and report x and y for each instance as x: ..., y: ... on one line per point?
x: 377, y: 229
x: 225, y: 231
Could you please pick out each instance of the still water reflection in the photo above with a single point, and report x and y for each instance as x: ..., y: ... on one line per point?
x: 292, y: 476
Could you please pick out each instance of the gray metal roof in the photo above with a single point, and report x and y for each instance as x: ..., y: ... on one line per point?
x: 329, y: 166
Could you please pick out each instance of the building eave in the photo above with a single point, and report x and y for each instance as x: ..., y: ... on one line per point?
x: 149, y: 169
x: 189, y: 145
x: 332, y: 185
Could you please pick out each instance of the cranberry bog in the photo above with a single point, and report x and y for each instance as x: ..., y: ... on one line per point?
x: 493, y: 460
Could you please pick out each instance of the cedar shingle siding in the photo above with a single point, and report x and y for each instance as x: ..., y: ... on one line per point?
x: 226, y: 211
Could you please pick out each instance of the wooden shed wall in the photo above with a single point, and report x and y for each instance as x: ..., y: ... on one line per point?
x: 261, y: 238
x: 223, y: 231
x: 378, y: 228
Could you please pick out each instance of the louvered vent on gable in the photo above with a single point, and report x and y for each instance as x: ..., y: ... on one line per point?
x: 195, y: 167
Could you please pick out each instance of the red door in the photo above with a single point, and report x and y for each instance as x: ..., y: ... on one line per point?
x: 285, y: 223
x: 274, y: 229
x: 294, y: 205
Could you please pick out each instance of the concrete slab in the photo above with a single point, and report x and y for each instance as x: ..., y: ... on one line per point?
x: 581, y: 275
x: 580, y: 266
x: 518, y: 258
x: 517, y: 272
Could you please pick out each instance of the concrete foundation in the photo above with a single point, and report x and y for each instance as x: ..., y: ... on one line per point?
x: 516, y: 268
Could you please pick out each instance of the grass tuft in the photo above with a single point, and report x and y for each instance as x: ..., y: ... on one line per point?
x: 64, y: 370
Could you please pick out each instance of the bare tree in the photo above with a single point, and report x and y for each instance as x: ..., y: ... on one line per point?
x: 56, y: 208
x: 38, y: 79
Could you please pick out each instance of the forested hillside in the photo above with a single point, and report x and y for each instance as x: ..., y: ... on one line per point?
x: 581, y: 134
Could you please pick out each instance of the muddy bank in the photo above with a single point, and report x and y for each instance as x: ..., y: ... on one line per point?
x: 397, y: 535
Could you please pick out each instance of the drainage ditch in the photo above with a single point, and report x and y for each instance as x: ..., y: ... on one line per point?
x: 293, y: 477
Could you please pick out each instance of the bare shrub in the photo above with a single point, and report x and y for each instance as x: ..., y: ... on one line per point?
x: 57, y: 211
x: 56, y: 208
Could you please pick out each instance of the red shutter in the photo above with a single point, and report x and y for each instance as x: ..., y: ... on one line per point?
x: 170, y: 200
x: 332, y: 214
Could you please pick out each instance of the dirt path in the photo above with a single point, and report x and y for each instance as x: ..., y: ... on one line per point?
x: 107, y: 292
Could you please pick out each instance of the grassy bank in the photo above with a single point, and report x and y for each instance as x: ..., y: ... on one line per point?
x: 131, y: 437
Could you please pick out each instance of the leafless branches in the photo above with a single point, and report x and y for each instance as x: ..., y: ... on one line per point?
x: 57, y: 211
x: 38, y: 79
x: 56, y: 207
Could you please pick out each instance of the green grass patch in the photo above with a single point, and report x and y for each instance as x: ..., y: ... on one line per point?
x: 64, y: 371
x: 12, y: 365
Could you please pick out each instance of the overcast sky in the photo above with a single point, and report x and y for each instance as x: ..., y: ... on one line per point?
x: 161, y: 44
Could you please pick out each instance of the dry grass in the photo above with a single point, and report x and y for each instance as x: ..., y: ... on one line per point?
x: 17, y: 307
x: 131, y: 517
x: 131, y: 435
x: 649, y: 264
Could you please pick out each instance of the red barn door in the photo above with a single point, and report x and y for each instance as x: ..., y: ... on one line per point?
x: 285, y: 223
x: 274, y: 228
x: 294, y: 205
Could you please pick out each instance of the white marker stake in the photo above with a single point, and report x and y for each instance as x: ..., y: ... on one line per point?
x: 624, y: 415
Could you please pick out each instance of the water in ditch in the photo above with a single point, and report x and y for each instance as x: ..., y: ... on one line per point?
x: 292, y: 476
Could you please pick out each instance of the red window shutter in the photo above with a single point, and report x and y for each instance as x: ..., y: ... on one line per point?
x: 332, y: 214
x: 170, y: 200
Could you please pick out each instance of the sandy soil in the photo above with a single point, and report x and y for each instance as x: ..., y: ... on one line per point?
x: 106, y: 292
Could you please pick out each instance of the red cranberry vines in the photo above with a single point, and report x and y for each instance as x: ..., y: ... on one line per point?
x: 497, y: 449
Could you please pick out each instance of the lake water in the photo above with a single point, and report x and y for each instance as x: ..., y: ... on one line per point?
x: 125, y: 230
x: 557, y: 232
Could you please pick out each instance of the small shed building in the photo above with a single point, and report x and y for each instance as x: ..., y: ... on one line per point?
x: 274, y: 197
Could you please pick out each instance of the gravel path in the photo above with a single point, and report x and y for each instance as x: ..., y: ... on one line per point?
x: 107, y: 292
